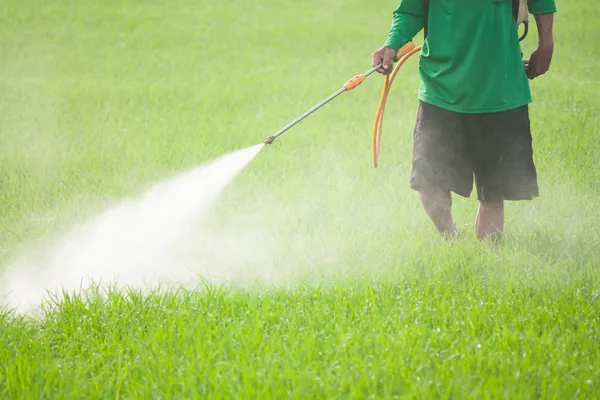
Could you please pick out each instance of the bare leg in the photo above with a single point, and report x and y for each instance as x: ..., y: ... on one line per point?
x: 438, y: 205
x: 490, y: 220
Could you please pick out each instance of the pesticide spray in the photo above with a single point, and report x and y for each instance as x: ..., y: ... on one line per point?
x: 138, y: 243
x: 160, y: 238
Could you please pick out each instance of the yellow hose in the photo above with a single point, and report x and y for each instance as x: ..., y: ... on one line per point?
x: 377, y: 124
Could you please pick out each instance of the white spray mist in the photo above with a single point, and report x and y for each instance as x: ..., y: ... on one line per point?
x: 141, y: 242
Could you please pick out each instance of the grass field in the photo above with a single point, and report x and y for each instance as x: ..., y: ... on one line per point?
x: 361, y: 299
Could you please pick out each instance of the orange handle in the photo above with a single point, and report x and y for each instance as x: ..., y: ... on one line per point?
x: 358, y: 79
x: 354, y: 82
x: 404, y: 50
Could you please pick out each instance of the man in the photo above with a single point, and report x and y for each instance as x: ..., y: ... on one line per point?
x: 473, y: 117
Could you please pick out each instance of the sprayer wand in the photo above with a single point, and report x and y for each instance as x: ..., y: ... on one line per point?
x: 351, y: 84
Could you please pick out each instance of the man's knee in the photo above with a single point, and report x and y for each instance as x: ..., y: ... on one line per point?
x: 435, y: 200
x: 492, y: 206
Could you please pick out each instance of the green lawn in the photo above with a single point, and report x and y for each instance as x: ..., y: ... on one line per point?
x: 345, y: 289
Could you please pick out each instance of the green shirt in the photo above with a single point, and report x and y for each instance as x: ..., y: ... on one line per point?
x: 471, y: 59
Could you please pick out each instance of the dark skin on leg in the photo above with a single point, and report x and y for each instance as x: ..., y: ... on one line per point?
x: 438, y: 206
x: 490, y: 221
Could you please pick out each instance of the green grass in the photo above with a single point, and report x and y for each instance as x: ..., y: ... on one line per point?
x: 100, y: 100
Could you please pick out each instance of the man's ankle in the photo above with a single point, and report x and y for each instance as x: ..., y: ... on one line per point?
x: 494, y: 238
x: 449, y: 233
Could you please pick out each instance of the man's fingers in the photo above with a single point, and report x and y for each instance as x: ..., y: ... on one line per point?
x: 530, y: 71
x: 531, y: 67
x: 385, y: 69
x: 388, y: 61
x: 385, y: 58
x: 376, y: 59
x: 539, y: 63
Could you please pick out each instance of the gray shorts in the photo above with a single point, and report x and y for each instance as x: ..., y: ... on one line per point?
x: 451, y: 150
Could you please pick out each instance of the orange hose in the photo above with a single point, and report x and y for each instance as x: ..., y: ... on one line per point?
x: 377, y: 124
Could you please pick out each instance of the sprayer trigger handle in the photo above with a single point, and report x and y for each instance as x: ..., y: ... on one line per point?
x: 404, y: 50
x: 354, y: 82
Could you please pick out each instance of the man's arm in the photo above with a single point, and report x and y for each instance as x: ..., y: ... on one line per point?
x: 539, y: 62
x: 544, y: 24
x: 408, y: 20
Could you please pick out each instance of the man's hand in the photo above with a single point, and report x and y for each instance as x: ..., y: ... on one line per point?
x: 384, y: 56
x: 539, y: 62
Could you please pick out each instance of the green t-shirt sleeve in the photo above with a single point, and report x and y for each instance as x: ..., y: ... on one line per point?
x: 408, y: 20
x: 541, y: 6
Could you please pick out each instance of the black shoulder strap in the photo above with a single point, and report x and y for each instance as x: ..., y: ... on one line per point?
x: 516, y: 4
x: 426, y: 15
